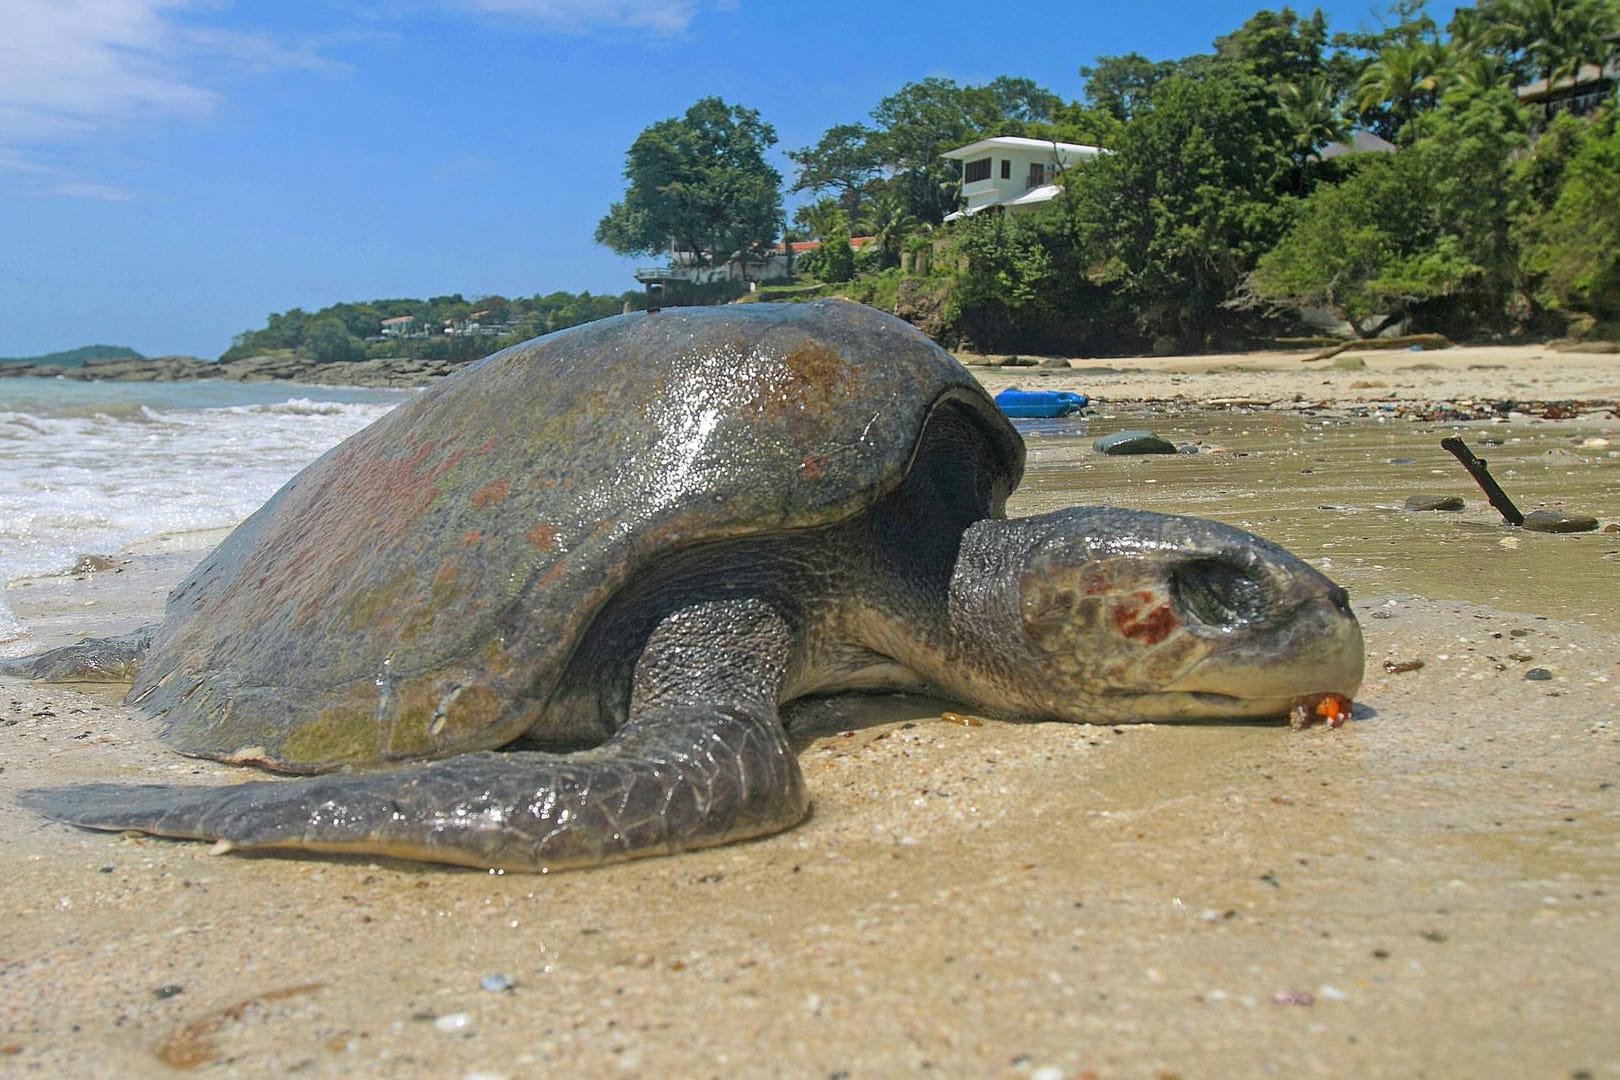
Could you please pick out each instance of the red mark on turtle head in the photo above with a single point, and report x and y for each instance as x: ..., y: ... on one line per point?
x: 1141, y: 622
x: 542, y: 535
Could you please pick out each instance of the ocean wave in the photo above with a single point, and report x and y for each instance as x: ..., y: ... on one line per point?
x: 99, y: 476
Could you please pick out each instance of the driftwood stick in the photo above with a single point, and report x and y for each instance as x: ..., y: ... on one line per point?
x: 1482, y: 476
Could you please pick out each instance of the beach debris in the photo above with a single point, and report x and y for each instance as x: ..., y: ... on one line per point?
x: 456, y: 1023
x: 194, y: 1043
x: 1401, y: 667
x: 1133, y: 441
x: 1538, y: 674
x: 496, y: 983
x: 1558, y: 521
x: 90, y: 563
x: 1434, y: 502
x: 1039, y: 404
x: 1293, y: 997
x: 1404, y: 342
x: 1330, y: 709
x: 1476, y: 467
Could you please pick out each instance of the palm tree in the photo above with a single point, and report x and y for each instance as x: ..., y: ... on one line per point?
x: 1558, y: 36
x: 1311, y: 108
x: 824, y: 218
x: 1402, y: 78
x: 887, y: 221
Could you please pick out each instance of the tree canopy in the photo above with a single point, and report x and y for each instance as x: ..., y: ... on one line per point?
x: 1218, y: 210
x: 700, y: 184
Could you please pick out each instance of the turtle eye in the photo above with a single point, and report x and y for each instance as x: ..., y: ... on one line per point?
x: 1217, y: 593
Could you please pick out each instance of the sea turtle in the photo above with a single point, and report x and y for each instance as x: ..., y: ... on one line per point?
x: 544, y: 615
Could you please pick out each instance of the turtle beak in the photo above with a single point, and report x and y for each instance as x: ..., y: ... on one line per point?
x: 1317, y: 648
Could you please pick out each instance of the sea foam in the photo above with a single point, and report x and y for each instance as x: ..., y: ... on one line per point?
x: 96, y: 468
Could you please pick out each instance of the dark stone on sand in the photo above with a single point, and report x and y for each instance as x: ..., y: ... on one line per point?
x: 1558, y: 521
x: 1538, y: 674
x: 1434, y: 502
x: 1133, y: 441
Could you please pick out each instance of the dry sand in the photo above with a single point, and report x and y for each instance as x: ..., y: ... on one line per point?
x: 1431, y: 890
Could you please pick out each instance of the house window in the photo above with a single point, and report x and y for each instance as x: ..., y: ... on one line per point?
x: 975, y: 171
x: 1006, y: 169
x: 1038, y: 174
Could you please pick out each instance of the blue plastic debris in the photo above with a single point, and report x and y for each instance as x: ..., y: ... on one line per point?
x: 1039, y: 403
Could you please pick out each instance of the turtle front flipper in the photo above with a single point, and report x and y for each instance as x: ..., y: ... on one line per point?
x: 112, y: 659
x: 689, y: 770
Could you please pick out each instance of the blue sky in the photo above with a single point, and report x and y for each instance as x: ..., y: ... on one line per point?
x: 172, y: 171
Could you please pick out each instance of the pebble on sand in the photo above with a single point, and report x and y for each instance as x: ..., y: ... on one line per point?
x: 1133, y: 441
x: 1434, y: 502
x: 1558, y: 521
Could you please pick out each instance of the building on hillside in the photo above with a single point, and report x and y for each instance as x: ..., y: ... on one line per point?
x: 1580, y: 94
x: 403, y: 326
x: 1011, y: 172
x: 775, y: 264
x: 1359, y: 142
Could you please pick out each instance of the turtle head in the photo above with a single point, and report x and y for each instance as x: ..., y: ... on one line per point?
x: 1109, y: 615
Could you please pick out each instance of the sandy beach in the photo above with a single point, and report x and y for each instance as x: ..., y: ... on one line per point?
x: 1431, y: 890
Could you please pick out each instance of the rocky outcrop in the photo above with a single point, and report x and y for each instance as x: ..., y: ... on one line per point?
x: 391, y: 371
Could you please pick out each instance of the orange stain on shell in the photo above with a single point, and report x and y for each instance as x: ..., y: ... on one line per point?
x: 491, y: 493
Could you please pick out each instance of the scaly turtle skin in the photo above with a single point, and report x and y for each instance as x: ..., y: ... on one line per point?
x: 623, y: 547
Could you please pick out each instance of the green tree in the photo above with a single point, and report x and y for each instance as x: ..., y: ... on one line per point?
x: 1575, y: 244
x: 1121, y: 86
x: 1543, y: 39
x: 887, y: 221
x: 1401, y: 82
x: 1425, y: 229
x: 698, y: 183
x: 845, y: 161
x: 1278, y: 46
x: 1190, y: 198
x: 328, y: 341
x: 1310, y: 108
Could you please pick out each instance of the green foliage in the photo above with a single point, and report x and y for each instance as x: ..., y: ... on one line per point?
x: 1576, y: 244
x: 328, y: 340
x: 1189, y: 200
x: 845, y: 161
x: 444, y: 327
x: 1121, y: 86
x: 76, y: 357
x: 1022, y: 285
x: 1433, y: 221
x: 698, y: 183
x: 1278, y: 46
x: 834, y: 260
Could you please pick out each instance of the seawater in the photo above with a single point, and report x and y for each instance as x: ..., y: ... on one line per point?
x: 97, y: 467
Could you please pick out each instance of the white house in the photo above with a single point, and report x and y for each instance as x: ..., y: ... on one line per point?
x: 1011, y: 172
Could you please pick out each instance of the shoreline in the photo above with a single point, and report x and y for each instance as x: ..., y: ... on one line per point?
x: 1361, y: 372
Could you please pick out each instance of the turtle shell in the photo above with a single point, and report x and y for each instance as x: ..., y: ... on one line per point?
x: 417, y: 591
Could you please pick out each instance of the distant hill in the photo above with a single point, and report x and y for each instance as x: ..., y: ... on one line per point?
x: 76, y: 357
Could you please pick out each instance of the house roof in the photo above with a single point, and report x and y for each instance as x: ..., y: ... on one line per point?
x: 1360, y: 142
x: 1588, y: 74
x: 1018, y: 143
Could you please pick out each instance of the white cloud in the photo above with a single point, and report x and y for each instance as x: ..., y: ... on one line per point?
x: 71, y: 66
x: 72, y: 69
x: 579, y: 16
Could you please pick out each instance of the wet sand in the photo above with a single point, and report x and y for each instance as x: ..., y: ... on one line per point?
x: 1431, y: 890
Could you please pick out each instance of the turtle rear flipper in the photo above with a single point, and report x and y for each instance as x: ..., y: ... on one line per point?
x: 688, y: 771
x: 111, y: 659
